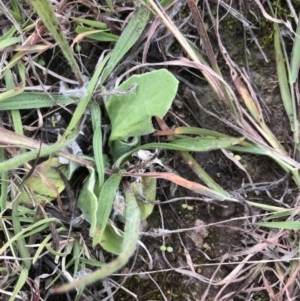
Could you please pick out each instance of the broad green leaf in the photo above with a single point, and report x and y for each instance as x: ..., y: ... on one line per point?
x: 120, y: 147
x: 105, y: 203
x: 87, y: 201
x: 152, y: 95
x: 45, y: 184
x: 111, y: 241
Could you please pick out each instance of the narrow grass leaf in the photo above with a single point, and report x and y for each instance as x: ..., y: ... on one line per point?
x: 45, y: 221
x: 8, y: 34
x: 21, y: 281
x: 34, y: 100
x: 76, y: 253
x: 105, y: 203
x: 23, y: 250
x: 15, y: 9
x: 16, y: 116
x: 97, y: 142
x: 25, y: 157
x: 17, y: 123
x: 93, y: 23
x: 193, y: 131
x: 282, y: 78
x: 202, y: 174
x: 41, y: 248
x: 200, y: 144
x: 9, y: 42
x: 11, y: 89
x: 81, y: 107
x: 267, y: 207
x: 35, y: 231
x: 4, y: 182
x: 92, y: 262
x: 59, y: 254
x: 110, y: 5
x: 45, y: 11
x: 289, y: 225
x: 295, y: 59
x: 9, y: 138
x: 128, y: 38
x: 97, y: 35
x: 279, y: 215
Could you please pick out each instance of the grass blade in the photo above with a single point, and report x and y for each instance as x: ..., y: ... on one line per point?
x: 283, y: 81
x: 186, y: 144
x: 25, y: 230
x: 21, y: 281
x: 45, y: 11
x: 25, y: 157
x: 289, y: 225
x: 34, y: 100
x: 4, y: 183
x: 84, y: 101
x: 295, y: 59
x: 97, y: 142
x: 127, y: 39
x: 105, y: 203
